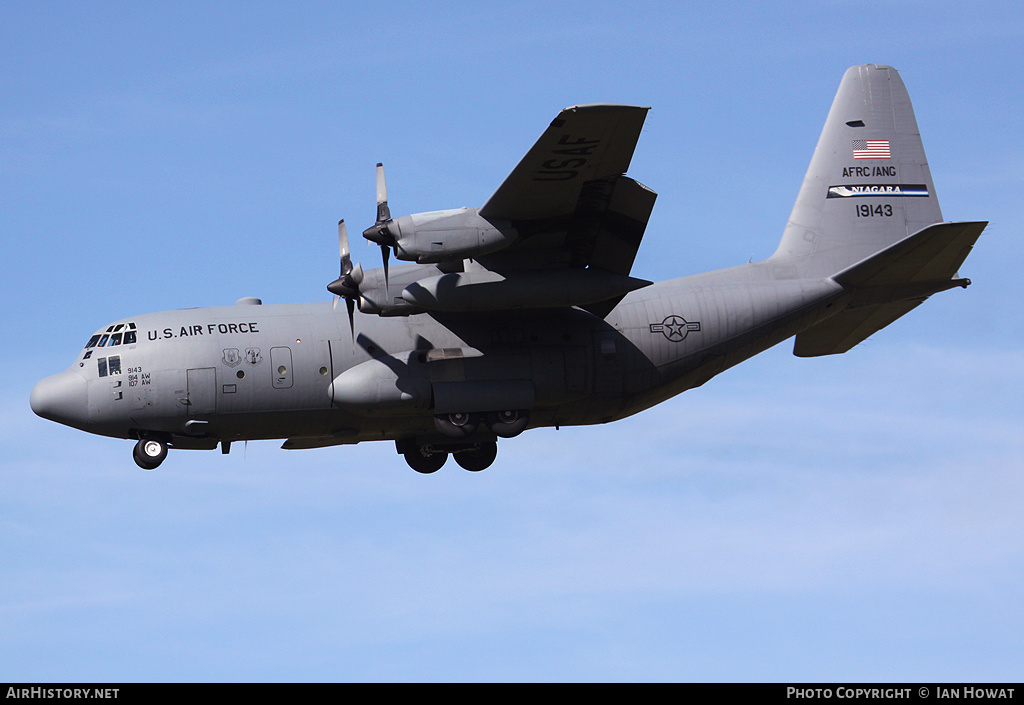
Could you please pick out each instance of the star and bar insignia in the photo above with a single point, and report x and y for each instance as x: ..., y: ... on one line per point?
x: 675, y: 328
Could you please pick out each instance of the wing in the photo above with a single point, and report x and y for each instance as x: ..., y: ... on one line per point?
x: 563, y: 229
x: 572, y: 205
x: 583, y: 143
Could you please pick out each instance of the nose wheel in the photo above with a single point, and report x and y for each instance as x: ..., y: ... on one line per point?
x: 149, y: 453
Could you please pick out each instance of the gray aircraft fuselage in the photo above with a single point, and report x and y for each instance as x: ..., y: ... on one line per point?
x: 253, y: 371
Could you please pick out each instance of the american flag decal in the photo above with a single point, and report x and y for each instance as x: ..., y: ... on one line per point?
x: 871, y: 149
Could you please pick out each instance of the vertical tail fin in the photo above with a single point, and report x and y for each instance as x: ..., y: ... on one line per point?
x: 868, y: 185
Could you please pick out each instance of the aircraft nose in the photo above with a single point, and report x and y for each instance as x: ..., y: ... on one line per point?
x: 62, y: 397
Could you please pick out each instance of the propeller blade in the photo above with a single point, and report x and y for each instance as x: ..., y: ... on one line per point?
x: 346, y: 286
x: 379, y: 232
x: 383, y: 212
x: 385, y: 253
x: 343, y: 252
x: 350, y: 304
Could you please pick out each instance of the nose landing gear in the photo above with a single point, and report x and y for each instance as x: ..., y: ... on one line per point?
x: 149, y: 453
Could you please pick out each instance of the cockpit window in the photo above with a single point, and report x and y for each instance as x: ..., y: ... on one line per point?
x: 109, y: 365
x: 120, y: 334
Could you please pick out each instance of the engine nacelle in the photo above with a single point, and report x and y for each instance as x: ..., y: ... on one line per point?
x: 445, y: 236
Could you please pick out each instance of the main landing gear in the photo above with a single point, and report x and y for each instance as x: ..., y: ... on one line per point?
x: 149, y: 453
x: 503, y: 424
x: 459, y: 426
x: 427, y: 458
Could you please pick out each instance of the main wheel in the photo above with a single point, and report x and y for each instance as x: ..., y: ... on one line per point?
x: 149, y: 453
x: 478, y: 458
x: 457, y: 425
x: 423, y: 462
x: 507, y: 424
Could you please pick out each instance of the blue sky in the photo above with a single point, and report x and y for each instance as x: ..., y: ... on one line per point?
x: 848, y: 518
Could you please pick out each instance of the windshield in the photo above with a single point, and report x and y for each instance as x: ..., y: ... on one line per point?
x: 119, y: 334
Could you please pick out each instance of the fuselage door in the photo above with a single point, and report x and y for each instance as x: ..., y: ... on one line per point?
x: 202, y: 391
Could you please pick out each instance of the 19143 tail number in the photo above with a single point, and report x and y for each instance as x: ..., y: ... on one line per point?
x: 865, y: 210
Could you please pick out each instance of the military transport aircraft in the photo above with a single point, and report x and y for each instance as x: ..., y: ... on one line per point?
x: 523, y: 313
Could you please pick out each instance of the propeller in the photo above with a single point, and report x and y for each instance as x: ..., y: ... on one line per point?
x: 383, y: 212
x: 379, y: 232
x: 346, y: 286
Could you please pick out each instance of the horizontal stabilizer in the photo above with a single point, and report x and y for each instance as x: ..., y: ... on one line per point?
x: 841, y: 332
x: 892, y: 283
x: 930, y: 255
